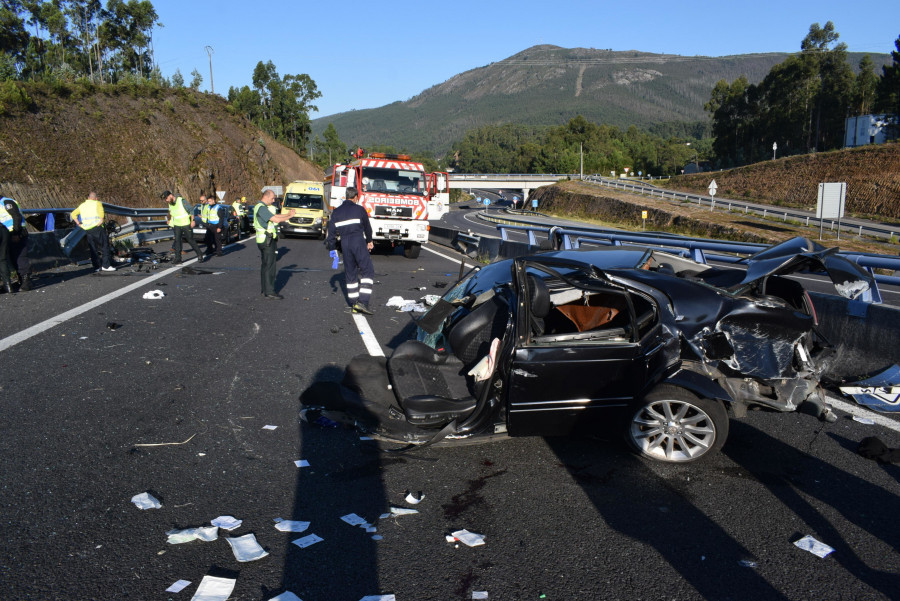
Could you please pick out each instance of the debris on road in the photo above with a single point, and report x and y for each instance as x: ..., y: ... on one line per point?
x: 269, y: 427
x: 440, y: 284
x: 246, y: 548
x: 379, y: 598
x: 308, y: 540
x: 405, y: 306
x: 178, y: 586
x: 165, y: 444
x: 154, y: 295
x: 414, y: 499
x: 872, y: 447
x: 227, y: 522
x: 808, y: 543
x: 113, y: 325
x: 290, y: 525
x: 395, y: 511
x: 286, y: 596
x: 354, y: 520
x: 864, y: 420
x: 880, y: 392
x: 186, y: 535
x: 470, y: 539
x: 479, y: 595
x: 301, y: 463
x: 146, y: 501
x: 748, y: 563
x: 214, y: 588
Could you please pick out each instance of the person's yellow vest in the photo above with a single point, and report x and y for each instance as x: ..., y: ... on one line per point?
x: 260, y: 230
x: 7, y: 219
x: 179, y: 215
x: 91, y: 214
x: 210, y: 214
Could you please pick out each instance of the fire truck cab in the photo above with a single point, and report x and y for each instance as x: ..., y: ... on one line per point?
x: 397, y: 193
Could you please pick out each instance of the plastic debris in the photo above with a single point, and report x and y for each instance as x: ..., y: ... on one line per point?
x: 440, y: 284
x: 178, y: 586
x: 246, y: 548
x: 470, y: 539
x: 379, y: 598
x: 214, y: 588
x: 377, y: 537
x: 286, y: 596
x: 404, y: 305
x: 145, y: 501
x: 354, y: 520
x: 413, y: 499
x: 301, y: 463
x: 290, y: 525
x: 747, y: 563
x: 227, y: 522
x: 479, y: 594
x: 881, y: 392
x: 204, y: 533
x: 269, y: 427
x: 431, y: 299
x: 308, y: 540
x: 808, y: 543
x: 154, y: 295
x: 864, y: 420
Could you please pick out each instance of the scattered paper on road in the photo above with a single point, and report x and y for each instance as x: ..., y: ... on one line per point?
x: 354, y: 520
x: 470, y: 539
x: 308, y: 540
x: 395, y: 511
x: 269, y: 427
x: 246, y: 548
x: 379, y: 598
x: 479, y: 595
x: 290, y: 525
x: 205, y: 533
x: 808, y: 543
x: 864, y: 420
x: 146, y: 501
x: 214, y: 588
x: 178, y: 586
x: 227, y: 522
x: 301, y: 463
x: 413, y: 500
x: 154, y: 295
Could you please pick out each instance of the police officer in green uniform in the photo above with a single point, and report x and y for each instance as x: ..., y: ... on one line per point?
x: 215, y: 216
x: 182, y: 221
x: 264, y: 222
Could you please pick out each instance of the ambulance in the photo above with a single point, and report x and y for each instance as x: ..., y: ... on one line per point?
x: 307, y: 198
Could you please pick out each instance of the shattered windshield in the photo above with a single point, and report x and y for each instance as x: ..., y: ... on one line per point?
x: 393, y: 181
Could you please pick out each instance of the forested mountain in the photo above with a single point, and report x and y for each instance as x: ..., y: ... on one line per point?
x: 548, y: 85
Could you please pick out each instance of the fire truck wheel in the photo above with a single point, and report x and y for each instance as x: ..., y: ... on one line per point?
x: 411, y: 250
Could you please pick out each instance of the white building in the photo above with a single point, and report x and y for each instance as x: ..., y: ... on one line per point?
x: 869, y: 129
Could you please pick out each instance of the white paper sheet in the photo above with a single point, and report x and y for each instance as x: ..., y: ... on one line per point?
x: 146, y: 501
x: 286, y: 596
x: 379, y: 598
x: 353, y: 519
x: 214, y: 588
x: 395, y: 511
x: 308, y: 540
x: 412, y: 500
x: 178, y: 586
x: 205, y: 533
x: 246, y: 548
x: 479, y: 594
x: 290, y: 525
x: 808, y: 543
x: 269, y: 427
x: 227, y: 522
x: 301, y: 463
x: 470, y: 539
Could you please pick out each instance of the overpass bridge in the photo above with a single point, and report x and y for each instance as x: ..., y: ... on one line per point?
x: 526, y: 182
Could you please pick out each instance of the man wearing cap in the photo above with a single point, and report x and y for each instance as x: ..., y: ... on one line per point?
x: 89, y: 217
x: 264, y: 222
x: 182, y: 221
x: 351, y: 222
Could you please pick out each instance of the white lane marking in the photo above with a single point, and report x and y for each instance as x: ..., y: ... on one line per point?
x: 449, y: 258
x: 368, y: 337
x: 63, y: 317
x: 878, y: 418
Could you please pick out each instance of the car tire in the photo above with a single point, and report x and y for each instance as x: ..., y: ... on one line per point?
x: 672, y: 425
x: 411, y: 250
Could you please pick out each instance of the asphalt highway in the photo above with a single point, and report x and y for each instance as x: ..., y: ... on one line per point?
x: 107, y: 395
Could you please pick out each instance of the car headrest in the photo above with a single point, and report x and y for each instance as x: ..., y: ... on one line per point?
x: 540, y: 296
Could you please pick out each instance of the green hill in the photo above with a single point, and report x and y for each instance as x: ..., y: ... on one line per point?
x: 548, y: 85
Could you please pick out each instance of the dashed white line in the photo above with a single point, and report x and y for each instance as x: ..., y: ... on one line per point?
x: 368, y: 337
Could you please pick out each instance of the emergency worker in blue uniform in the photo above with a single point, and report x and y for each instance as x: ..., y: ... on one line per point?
x: 351, y: 223
x: 215, y: 216
x: 265, y: 221
x: 13, y: 245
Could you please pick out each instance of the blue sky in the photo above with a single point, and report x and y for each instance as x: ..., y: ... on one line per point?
x: 368, y: 54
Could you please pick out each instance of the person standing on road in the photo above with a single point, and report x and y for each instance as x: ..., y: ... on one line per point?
x: 182, y: 221
x: 264, y: 222
x: 17, y: 250
x: 89, y: 217
x: 215, y: 216
x: 351, y: 223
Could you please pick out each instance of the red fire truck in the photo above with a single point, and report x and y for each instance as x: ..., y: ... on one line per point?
x: 399, y: 195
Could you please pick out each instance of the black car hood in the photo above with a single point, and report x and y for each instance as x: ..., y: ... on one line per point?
x: 802, y: 254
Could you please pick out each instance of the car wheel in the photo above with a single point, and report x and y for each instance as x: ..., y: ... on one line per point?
x: 411, y: 250
x: 670, y: 424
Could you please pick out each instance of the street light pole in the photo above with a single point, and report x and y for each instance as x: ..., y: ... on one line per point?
x: 774, y: 148
x: 210, y: 51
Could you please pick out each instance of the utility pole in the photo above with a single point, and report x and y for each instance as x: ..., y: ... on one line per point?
x: 581, y: 154
x: 210, y: 52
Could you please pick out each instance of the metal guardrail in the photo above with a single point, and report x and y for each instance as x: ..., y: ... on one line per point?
x: 149, y: 230
x: 730, y: 204
x: 699, y: 249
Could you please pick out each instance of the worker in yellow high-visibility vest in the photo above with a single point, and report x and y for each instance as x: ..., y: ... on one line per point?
x: 181, y: 219
x: 89, y: 217
x: 215, y: 216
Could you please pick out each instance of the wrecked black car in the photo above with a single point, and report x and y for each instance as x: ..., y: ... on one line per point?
x: 662, y: 348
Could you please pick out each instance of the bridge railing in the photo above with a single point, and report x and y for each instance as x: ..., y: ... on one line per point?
x: 699, y: 249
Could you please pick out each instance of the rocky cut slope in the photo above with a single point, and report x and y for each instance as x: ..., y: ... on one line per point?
x: 129, y: 144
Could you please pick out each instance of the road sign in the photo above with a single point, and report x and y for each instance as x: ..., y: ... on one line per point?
x: 487, y: 201
x: 831, y: 203
x: 712, y: 188
x: 534, y: 203
x: 220, y: 194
